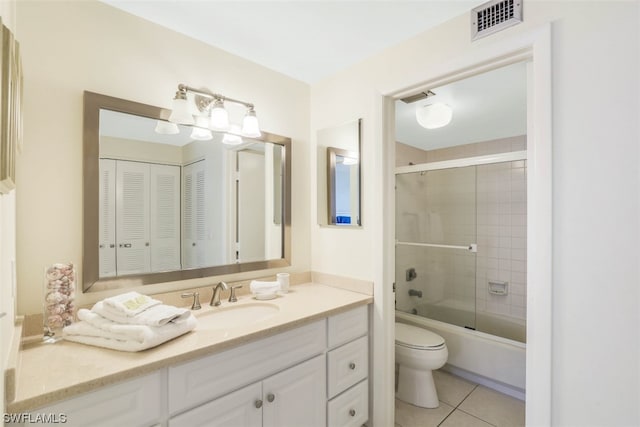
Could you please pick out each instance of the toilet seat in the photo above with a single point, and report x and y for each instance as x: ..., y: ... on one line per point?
x: 417, y: 338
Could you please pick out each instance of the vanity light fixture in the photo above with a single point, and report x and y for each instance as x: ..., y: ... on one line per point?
x: 233, y: 137
x: 212, y: 104
x: 433, y: 116
x: 166, y: 128
x: 181, y: 112
x: 250, y: 126
x: 200, y: 131
x: 219, y: 116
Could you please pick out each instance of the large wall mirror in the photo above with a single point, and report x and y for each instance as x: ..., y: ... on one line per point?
x: 161, y: 204
x: 339, y: 175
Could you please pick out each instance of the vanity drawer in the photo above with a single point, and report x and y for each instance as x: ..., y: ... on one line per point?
x: 351, y: 408
x: 347, y: 365
x: 347, y: 326
x: 202, y: 380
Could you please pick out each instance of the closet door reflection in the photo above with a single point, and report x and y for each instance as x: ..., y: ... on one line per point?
x: 139, y: 218
x: 435, y: 250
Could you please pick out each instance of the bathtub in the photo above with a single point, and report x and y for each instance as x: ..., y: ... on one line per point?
x: 496, y: 362
x: 455, y: 313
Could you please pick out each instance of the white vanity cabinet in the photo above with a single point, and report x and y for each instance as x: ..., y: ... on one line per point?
x: 293, y: 397
x: 348, y: 369
x: 288, y: 372
x: 314, y: 375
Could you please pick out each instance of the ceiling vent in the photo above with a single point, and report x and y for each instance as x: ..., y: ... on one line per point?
x: 417, y: 97
x: 494, y: 16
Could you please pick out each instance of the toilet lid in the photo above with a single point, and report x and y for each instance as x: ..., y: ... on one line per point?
x: 414, y: 337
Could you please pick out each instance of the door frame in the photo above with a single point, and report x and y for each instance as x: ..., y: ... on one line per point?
x: 534, y: 46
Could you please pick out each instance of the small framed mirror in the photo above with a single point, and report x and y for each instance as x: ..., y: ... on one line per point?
x: 339, y: 175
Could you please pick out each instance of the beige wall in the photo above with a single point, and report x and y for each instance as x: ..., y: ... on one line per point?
x: 7, y: 243
x: 409, y: 155
x: 69, y: 47
x: 595, y: 190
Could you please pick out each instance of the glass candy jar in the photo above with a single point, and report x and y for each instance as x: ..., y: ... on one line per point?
x: 59, y: 293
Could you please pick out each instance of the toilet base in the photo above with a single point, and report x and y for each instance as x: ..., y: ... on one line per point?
x: 417, y: 388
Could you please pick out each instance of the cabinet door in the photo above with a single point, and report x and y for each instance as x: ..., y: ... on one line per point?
x: 165, y: 217
x: 107, y: 221
x: 132, y: 225
x: 296, y: 397
x: 242, y: 408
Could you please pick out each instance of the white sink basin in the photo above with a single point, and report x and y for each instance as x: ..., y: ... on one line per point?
x: 235, y: 316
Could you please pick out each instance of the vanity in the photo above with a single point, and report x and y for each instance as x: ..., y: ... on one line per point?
x: 199, y: 209
x: 301, y: 359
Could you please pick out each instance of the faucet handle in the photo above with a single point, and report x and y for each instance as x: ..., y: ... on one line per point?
x: 196, y: 299
x: 232, y: 296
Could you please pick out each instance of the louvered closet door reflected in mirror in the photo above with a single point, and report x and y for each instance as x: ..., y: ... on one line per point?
x: 140, y: 221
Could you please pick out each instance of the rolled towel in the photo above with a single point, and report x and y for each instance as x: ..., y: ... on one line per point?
x: 260, y: 287
x: 95, y: 330
x: 130, y: 304
x: 157, y: 315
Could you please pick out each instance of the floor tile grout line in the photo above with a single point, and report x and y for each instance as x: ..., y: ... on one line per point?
x: 458, y: 405
x: 476, y: 417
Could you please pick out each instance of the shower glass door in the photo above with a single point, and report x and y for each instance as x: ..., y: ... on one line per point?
x: 436, y: 244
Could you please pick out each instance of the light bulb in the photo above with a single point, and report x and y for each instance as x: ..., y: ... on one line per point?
x: 231, y: 139
x: 250, y: 126
x: 181, y: 113
x: 166, y: 128
x: 219, y: 116
x: 200, y: 131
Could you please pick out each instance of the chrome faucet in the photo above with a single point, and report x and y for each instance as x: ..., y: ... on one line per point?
x: 215, y: 298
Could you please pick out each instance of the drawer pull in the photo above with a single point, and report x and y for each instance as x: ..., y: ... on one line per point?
x: 258, y: 403
x: 352, y: 412
x: 352, y: 366
x: 271, y: 397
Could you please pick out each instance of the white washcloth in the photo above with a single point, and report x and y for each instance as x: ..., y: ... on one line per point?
x: 130, y: 303
x: 157, y: 315
x: 258, y: 287
x: 98, y: 331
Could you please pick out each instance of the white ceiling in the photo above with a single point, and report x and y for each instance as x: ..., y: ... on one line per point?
x: 485, y: 107
x: 311, y: 40
x: 306, y: 40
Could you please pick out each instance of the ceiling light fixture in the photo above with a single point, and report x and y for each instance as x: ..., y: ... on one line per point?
x: 211, y: 104
x: 433, y: 116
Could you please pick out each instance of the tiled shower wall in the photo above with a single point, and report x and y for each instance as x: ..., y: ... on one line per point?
x: 502, y: 238
x: 500, y: 232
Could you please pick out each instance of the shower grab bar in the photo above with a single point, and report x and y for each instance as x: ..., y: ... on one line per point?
x: 472, y: 247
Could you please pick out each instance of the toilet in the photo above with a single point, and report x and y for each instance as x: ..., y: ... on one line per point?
x: 418, y: 353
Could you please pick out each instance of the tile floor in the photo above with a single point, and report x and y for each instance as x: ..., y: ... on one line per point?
x: 462, y: 404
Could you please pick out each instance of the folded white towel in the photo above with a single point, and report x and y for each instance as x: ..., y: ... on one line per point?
x: 98, y: 331
x: 261, y: 287
x: 157, y: 315
x: 130, y: 303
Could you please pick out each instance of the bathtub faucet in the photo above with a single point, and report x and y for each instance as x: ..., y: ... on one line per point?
x: 415, y: 293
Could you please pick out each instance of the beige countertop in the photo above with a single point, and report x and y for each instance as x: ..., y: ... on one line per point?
x: 48, y: 373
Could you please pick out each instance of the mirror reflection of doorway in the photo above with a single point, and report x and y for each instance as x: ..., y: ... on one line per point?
x: 250, y: 212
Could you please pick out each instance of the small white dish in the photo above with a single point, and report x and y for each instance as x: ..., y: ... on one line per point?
x: 265, y: 295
